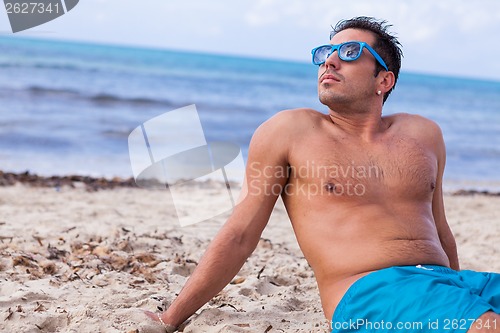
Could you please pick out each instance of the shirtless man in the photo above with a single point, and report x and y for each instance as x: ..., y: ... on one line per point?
x: 364, y: 195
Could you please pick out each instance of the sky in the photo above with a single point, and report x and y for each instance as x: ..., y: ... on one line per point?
x: 441, y: 37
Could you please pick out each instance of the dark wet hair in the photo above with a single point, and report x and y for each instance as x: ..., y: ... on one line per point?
x: 386, y: 45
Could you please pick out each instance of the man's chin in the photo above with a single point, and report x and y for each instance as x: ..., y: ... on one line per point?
x: 329, y: 99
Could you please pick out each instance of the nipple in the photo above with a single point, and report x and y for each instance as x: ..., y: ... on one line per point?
x: 330, y: 187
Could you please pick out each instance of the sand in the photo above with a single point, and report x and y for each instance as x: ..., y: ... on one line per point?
x: 74, y: 260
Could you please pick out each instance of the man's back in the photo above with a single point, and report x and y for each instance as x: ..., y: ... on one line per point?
x: 360, y: 204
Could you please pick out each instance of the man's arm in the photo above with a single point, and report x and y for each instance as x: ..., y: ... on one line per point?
x: 239, y: 236
x: 445, y: 235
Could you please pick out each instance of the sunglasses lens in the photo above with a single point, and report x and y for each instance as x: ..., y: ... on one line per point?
x: 350, y: 51
x: 321, y: 54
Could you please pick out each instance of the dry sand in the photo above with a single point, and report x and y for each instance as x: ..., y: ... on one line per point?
x: 80, y: 261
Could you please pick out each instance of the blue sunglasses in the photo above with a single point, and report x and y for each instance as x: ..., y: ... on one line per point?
x: 348, y: 51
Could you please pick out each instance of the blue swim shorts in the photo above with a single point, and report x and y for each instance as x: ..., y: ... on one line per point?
x: 419, y: 298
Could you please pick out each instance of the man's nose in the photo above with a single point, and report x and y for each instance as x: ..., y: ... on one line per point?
x: 333, y: 60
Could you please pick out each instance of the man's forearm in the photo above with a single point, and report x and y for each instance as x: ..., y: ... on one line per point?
x: 220, y: 263
x: 453, y: 258
x: 450, y: 248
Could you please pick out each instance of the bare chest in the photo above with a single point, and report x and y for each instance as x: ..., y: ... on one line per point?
x: 400, y: 167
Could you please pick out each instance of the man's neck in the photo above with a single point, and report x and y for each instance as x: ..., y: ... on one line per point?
x: 365, y: 125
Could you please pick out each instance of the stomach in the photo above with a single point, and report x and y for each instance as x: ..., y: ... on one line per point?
x: 343, y: 245
x: 335, y: 277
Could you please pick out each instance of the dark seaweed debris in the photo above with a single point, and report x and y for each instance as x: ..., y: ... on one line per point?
x: 73, y: 181
x: 475, y: 192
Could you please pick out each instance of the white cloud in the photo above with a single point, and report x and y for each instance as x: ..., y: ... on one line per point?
x: 432, y: 32
x: 415, y: 19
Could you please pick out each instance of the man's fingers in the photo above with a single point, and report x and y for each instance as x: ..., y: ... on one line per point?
x: 151, y: 315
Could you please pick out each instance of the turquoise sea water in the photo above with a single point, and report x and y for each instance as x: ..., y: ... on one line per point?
x: 68, y: 107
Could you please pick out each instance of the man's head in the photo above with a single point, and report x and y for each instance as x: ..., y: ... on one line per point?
x: 385, y: 45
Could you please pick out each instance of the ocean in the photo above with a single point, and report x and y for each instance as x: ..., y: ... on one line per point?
x: 68, y: 108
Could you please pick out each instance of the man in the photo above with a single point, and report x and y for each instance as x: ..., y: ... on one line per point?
x: 364, y: 195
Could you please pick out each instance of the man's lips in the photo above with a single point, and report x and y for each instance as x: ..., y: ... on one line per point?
x: 329, y: 77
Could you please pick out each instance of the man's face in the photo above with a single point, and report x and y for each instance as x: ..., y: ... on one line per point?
x: 343, y: 82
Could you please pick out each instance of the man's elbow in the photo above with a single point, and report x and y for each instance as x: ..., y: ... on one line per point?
x: 240, y: 244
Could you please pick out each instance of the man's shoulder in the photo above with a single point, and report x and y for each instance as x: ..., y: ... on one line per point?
x: 422, y: 129
x: 286, y: 126
x: 274, y: 138
x: 294, y: 118
x: 409, y: 122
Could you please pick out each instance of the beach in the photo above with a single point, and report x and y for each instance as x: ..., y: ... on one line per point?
x: 86, y: 250
x: 77, y: 257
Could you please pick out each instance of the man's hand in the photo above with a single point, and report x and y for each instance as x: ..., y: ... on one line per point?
x: 156, y: 317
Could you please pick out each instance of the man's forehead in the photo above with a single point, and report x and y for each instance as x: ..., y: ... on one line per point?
x: 353, y: 34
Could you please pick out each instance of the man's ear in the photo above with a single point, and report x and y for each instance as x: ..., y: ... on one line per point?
x: 386, y: 80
